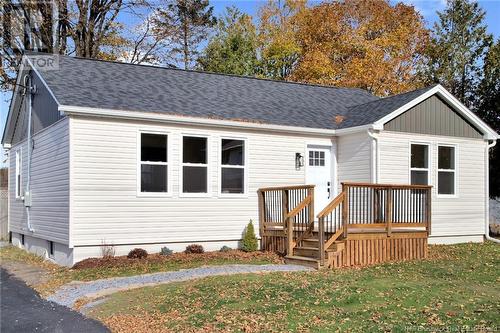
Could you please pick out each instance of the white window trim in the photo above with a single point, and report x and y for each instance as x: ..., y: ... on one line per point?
x: 168, y: 164
x: 244, y: 167
x: 429, y: 161
x: 454, y: 171
x: 19, y: 174
x: 183, y: 194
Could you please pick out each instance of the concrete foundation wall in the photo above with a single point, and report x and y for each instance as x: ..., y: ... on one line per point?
x: 63, y: 255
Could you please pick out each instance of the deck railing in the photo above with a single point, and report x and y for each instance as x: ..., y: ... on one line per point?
x: 364, y: 206
x: 287, y: 213
x: 287, y: 209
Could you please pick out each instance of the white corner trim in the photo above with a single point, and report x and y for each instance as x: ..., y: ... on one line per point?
x: 489, y: 133
x: 185, y: 120
x: 355, y: 129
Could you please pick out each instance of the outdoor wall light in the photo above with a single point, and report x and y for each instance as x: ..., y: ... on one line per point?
x: 299, y: 160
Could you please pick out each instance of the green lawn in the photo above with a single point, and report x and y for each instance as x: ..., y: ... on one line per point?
x: 458, y: 286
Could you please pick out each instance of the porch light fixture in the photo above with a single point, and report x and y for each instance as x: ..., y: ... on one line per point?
x: 299, y: 161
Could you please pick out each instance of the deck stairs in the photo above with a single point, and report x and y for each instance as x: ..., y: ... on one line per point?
x: 307, y: 253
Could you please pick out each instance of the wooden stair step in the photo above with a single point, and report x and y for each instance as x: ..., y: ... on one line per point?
x: 306, y: 251
x: 310, y: 242
x: 303, y: 261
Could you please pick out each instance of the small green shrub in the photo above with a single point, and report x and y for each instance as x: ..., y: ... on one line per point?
x: 165, y: 251
x: 225, y: 249
x: 194, y: 248
x: 249, y: 243
x: 137, y: 254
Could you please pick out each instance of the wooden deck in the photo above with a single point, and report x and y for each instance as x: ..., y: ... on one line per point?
x: 363, y: 225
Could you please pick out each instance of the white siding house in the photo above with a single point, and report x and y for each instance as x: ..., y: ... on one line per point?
x: 458, y: 217
x: 138, y: 156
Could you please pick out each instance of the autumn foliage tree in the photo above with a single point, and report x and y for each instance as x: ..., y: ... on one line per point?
x: 232, y: 49
x: 278, y: 48
x: 369, y: 44
x: 185, y: 24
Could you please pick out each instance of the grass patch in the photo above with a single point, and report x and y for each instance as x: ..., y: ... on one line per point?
x: 458, y: 286
x: 121, y: 266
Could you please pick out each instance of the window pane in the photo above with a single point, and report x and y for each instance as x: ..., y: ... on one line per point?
x: 153, y: 147
x: 419, y: 156
x: 232, y: 152
x: 194, y: 150
x: 153, y: 178
x: 194, y: 179
x: 446, y: 157
x: 232, y: 180
x: 419, y: 178
x: 446, y: 182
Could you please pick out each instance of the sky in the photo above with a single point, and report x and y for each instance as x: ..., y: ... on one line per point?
x: 427, y: 8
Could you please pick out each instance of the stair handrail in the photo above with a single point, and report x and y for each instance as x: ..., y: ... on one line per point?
x: 321, y: 224
x: 307, y: 202
x: 275, y: 211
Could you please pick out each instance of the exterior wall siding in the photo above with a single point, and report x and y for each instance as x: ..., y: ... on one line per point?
x: 354, y: 158
x: 462, y: 215
x: 106, y: 207
x: 49, y: 185
x: 44, y: 112
x: 434, y: 117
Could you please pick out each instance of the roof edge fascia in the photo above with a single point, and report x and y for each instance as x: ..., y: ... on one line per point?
x: 186, y: 120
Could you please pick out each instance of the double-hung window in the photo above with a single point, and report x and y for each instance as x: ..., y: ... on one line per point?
x: 194, y: 164
x: 419, y: 164
x: 446, y: 170
x: 19, y: 168
x: 232, y: 170
x: 154, y: 163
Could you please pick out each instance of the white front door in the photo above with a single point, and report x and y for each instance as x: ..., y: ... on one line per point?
x: 319, y: 173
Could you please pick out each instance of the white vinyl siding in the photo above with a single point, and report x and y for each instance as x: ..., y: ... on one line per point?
x: 49, y: 185
x: 105, y: 205
x: 354, y: 158
x: 18, y: 168
x: 451, y: 216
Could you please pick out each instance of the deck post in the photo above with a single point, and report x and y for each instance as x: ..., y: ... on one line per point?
x: 345, y: 208
x: 321, y: 240
x: 262, y: 214
x: 428, y: 211
x: 310, y: 192
x: 287, y: 222
x: 388, y: 211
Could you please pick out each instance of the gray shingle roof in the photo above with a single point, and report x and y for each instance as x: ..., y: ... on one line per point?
x: 112, y: 85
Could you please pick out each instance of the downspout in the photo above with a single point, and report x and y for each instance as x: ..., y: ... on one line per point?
x: 374, y: 157
x: 29, y: 91
x: 487, y: 192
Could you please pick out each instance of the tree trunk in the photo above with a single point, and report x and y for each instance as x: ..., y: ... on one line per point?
x: 186, y: 44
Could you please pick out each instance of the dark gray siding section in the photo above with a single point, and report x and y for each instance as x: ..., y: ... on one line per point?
x: 44, y: 112
x: 433, y: 116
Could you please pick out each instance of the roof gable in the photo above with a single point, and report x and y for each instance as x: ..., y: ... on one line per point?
x: 435, y: 117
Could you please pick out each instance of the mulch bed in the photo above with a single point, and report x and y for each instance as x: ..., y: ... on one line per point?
x: 179, y: 258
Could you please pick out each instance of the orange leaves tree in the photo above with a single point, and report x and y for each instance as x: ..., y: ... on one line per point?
x: 368, y: 44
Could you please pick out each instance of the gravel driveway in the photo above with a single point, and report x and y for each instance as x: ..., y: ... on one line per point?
x: 68, y: 294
